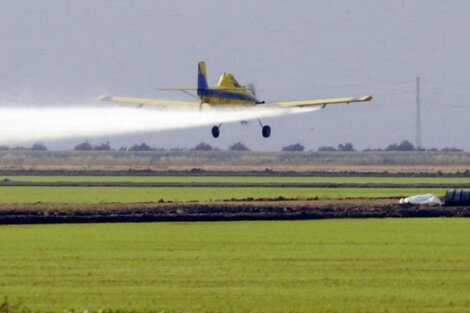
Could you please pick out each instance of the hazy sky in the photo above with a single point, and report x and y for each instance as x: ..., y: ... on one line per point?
x: 63, y: 52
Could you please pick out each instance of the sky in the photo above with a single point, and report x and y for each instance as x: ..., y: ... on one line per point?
x: 64, y: 53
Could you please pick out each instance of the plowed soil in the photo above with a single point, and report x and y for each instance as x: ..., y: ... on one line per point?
x: 219, y: 211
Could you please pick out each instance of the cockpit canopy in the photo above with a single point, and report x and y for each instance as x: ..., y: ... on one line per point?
x: 227, y: 80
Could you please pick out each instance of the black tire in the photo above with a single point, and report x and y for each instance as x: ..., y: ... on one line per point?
x: 457, y: 197
x: 215, y: 132
x: 266, y: 131
x: 465, y: 197
x: 450, y: 196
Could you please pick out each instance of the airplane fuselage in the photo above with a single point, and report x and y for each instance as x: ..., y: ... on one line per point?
x: 227, y: 92
x: 221, y: 96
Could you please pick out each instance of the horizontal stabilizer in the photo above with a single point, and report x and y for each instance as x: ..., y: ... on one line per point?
x: 176, y: 89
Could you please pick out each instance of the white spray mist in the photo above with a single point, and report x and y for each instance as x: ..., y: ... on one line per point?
x: 28, y: 124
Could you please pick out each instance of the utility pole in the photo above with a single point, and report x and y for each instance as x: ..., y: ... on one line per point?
x: 418, y: 114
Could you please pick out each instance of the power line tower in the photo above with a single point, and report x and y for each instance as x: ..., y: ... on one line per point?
x: 418, y: 114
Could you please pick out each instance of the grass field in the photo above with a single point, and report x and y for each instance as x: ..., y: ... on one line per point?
x: 241, y: 179
x: 95, y: 194
x: 149, y: 194
x: 387, y: 265
x: 152, y: 194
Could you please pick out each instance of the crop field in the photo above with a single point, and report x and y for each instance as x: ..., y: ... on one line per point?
x: 360, y: 265
x: 27, y: 194
x: 386, y: 265
x: 258, y: 188
x: 244, y: 179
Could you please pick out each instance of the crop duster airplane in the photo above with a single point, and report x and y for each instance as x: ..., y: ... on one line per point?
x: 228, y: 94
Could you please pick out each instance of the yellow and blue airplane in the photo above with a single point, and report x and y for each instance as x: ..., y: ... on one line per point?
x: 227, y: 94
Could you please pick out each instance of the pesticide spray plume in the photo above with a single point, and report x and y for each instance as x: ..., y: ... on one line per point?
x: 29, y: 124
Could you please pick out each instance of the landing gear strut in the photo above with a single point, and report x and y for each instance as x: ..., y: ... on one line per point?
x: 215, y: 131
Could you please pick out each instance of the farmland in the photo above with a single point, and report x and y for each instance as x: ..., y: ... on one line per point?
x: 130, y: 189
x: 243, y: 179
x: 87, y: 198
x: 176, y: 194
x: 392, y: 265
x: 236, y: 161
x: 337, y: 265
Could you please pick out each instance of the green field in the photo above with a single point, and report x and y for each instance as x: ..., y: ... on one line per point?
x: 152, y: 194
x: 388, y: 265
x: 243, y: 179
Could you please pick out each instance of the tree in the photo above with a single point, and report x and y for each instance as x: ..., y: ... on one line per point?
x: 38, y: 147
x: 451, y: 149
x: 294, y: 147
x: 202, y: 147
x: 84, y: 146
x: 238, y: 146
x: 346, y: 147
x: 405, y: 145
x: 177, y: 149
x: 326, y: 148
x: 103, y: 146
x: 142, y: 147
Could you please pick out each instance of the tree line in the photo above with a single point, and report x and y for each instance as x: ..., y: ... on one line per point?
x: 404, y: 145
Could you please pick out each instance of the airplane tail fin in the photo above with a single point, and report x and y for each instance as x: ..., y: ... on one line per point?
x: 201, y: 77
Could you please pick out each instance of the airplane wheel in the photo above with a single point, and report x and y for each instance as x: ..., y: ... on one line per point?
x: 215, y: 132
x: 266, y: 131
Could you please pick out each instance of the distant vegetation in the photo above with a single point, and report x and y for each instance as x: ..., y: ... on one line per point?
x: 202, y: 147
x: 346, y: 147
x: 238, y: 146
x: 142, y: 147
x: 327, y: 148
x: 341, y: 147
x: 404, y: 145
x: 452, y: 150
x: 34, y: 147
x: 295, y: 147
x: 38, y: 147
x: 86, y: 146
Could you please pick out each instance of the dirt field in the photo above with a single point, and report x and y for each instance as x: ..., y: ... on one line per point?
x: 218, y: 211
x: 233, y: 161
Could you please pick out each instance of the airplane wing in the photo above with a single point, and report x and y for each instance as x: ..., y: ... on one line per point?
x: 197, y: 105
x: 157, y: 102
x: 318, y: 102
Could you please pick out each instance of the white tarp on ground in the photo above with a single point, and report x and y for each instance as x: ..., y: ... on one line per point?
x: 428, y: 198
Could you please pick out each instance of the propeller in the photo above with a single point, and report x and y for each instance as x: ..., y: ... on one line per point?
x: 252, y: 87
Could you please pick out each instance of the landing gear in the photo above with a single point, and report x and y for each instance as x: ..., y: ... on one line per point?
x: 215, y: 131
x: 266, y: 131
